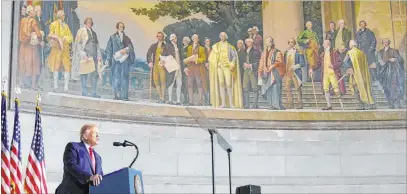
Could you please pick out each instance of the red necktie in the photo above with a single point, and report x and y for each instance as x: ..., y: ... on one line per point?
x: 92, y: 158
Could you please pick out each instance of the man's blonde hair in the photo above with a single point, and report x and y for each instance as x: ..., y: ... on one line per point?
x: 84, y: 129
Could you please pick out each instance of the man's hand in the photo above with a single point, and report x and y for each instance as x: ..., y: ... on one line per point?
x: 162, y: 63
x: 392, y: 59
x: 85, y: 57
x: 186, y: 71
x: 123, y: 51
x: 99, y: 58
x: 310, y: 71
x: 150, y: 65
x: 271, y: 67
x: 207, y: 65
x: 342, y: 49
x: 232, y: 66
x: 373, y: 65
x: 96, y: 179
x: 349, y: 71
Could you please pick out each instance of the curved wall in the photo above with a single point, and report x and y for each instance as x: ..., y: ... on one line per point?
x: 177, y: 159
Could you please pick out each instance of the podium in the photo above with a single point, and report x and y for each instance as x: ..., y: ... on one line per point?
x: 125, y: 180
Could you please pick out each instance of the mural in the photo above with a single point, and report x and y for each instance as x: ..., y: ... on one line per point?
x: 203, y: 53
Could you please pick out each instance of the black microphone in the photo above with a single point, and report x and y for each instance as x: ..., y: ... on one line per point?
x: 124, y: 144
x: 127, y: 143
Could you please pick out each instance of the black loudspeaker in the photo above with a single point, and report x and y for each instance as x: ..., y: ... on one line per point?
x: 248, y: 189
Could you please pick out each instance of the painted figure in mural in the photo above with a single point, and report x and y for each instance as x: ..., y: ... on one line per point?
x: 86, y: 57
x: 308, y: 39
x: 23, y: 12
x: 250, y: 33
x: 390, y: 67
x: 204, y: 77
x: 356, y: 66
x: 241, y: 54
x: 60, y: 38
x: 224, y: 73
x: 330, y: 63
x: 205, y: 73
x: 30, y: 37
x: 329, y: 35
x: 341, y: 37
x: 271, y: 71
x: 294, y: 61
x: 42, y: 44
x: 366, y: 40
x: 175, y: 77
x: 196, y: 57
x: 119, y: 56
x: 257, y: 39
x: 250, y: 68
x: 159, y: 74
x: 186, y: 41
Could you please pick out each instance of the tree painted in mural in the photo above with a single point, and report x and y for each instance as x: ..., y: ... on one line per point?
x: 233, y: 17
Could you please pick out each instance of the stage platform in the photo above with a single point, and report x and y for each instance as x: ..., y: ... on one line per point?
x: 143, y: 111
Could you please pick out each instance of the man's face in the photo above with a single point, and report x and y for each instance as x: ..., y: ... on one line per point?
x: 32, y: 13
x: 341, y: 25
x: 240, y: 45
x: 38, y: 12
x: 23, y: 11
x: 222, y: 37
x: 362, y: 25
x: 93, y: 136
x: 332, y: 26
x: 250, y: 32
x: 291, y: 43
x: 269, y: 42
x: 196, y: 39
x: 185, y: 42
x: 254, y: 31
x: 327, y: 44
x: 249, y: 43
x: 386, y: 43
x: 309, y: 26
x: 89, y: 23
x: 207, y: 42
x: 160, y: 37
x: 174, y: 40
x: 62, y: 17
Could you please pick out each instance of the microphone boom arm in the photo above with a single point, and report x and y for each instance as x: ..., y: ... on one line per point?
x: 135, y: 146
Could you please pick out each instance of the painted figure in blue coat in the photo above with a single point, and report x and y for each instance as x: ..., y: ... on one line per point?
x: 82, y: 165
x: 119, y: 56
x: 294, y: 61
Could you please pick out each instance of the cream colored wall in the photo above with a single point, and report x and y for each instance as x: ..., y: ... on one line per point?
x: 282, y: 20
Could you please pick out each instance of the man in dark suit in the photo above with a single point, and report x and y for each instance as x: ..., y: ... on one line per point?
x: 121, y: 44
x: 250, y: 66
x: 82, y: 165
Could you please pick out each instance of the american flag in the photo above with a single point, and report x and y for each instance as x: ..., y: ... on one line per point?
x: 5, y: 149
x: 15, y: 155
x: 35, y: 180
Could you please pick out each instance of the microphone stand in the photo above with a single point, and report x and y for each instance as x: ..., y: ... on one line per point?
x: 230, y: 172
x: 211, y: 132
x: 135, y: 146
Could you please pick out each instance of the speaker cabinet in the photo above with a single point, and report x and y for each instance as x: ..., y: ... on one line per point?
x: 248, y: 189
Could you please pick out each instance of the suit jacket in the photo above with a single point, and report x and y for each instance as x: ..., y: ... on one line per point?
x: 254, y: 58
x: 115, y: 44
x: 346, y: 37
x: 299, y: 59
x: 151, y: 57
x: 170, y: 50
x: 336, y: 62
x: 78, y: 169
x: 201, y: 54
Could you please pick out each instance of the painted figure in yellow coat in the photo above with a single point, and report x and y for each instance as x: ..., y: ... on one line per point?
x: 224, y: 72
x: 60, y: 38
x: 357, y: 67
